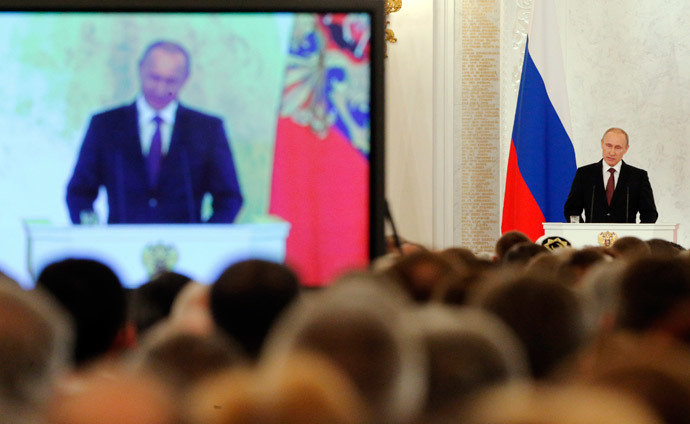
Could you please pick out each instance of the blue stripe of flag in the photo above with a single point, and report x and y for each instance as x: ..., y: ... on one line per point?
x: 545, y: 154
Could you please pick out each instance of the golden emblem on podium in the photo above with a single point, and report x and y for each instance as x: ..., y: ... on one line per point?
x: 607, y: 238
x: 159, y: 258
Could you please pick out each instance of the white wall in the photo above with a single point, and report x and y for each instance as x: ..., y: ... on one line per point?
x: 409, y: 120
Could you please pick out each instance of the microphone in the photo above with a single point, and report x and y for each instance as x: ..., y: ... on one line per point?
x: 627, y: 202
x: 591, y: 207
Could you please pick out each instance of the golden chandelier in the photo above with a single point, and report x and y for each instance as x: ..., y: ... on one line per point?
x: 391, y: 6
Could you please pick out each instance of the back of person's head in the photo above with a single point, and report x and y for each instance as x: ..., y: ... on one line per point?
x: 421, y: 272
x: 600, y: 292
x: 651, y: 288
x: 456, y: 289
x: 182, y: 359
x: 461, y: 257
x: 508, y: 240
x: 545, y: 264
x: 303, y: 388
x: 521, y: 253
x: 650, y: 368
x: 545, y: 315
x: 575, y: 404
x: 660, y: 247
x: 114, y: 396
x: 248, y: 297
x: 6, y: 280
x: 360, y: 325
x: 575, y: 267
x: 469, y: 350
x: 630, y: 248
x: 35, y: 347
x: 151, y: 302
x: 95, y: 299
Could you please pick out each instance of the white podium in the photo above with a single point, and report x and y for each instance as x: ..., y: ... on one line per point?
x: 601, y: 234
x: 135, y: 252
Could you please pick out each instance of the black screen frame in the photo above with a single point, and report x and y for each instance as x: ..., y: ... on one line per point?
x: 375, y: 9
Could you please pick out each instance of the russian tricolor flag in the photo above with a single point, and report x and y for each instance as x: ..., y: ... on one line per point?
x: 541, y: 164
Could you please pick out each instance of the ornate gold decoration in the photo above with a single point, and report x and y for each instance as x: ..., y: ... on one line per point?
x: 158, y: 258
x: 307, y: 98
x: 391, y: 6
x: 553, y: 243
x: 607, y: 238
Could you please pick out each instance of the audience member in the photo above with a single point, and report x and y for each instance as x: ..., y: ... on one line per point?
x: 459, y: 256
x: 650, y: 369
x: 521, y: 253
x: 420, y: 273
x: 113, y: 396
x: 151, y: 302
x: 469, y: 350
x: 248, y: 297
x: 631, y: 248
x: 35, y: 348
x: 546, y: 316
x: 600, y: 293
x: 362, y: 326
x: 456, y: 287
x: 6, y: 280
x: 301, y: 389
x: 525, y: 404
x: 182, y: 359
x: 93, y: 296
x: 576, y: 265
x: 662, y: 247
x: 547, y: 264
x: 191, y: 310
x: 393, y: 347
x: 651, y: 288
x: 506, y: 241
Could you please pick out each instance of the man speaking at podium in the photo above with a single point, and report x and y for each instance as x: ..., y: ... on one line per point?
x: 156, y: 158
x: 611, y: 190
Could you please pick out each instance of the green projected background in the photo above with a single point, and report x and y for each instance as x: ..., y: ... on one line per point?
x: 60, y: 69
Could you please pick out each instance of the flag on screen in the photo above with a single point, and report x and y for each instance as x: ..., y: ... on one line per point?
x: 541, y: 163
x: 320, y: 181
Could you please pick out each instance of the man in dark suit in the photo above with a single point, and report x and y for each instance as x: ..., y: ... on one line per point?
x: 611, y: 190
x: 156, y: 158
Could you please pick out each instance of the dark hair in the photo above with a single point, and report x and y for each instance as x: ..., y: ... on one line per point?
x: 508, y: 240
x: 151, y: 302
x: 94, y: 297
x: 248, y: 297
x: 170, y: 47
x: 664, y: 247
x: 650, y: 289
x: 521, y: 253
x: 545, y: 315
x: 420, y: 273
x: 631, y: 247
x: 578, y: 263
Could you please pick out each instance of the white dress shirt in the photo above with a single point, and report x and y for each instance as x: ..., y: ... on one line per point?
x: 147, y: 127
x: 605, y: 170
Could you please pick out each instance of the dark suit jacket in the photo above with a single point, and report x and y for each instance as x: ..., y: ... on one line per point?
x: 633, y: 194
x: 198, y: 161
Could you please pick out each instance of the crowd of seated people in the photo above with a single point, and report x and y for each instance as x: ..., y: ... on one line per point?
x: 531, y: 335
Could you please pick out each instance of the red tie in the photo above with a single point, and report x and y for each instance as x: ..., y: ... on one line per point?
x: 610, y: 185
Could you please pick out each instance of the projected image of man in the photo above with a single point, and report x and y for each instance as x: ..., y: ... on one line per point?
x: 611, y: 190
x: 155, y: 157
